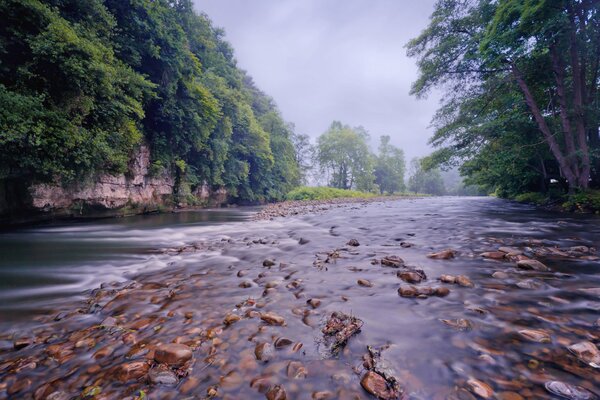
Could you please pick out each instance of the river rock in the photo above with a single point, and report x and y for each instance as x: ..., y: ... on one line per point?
x: 263, y: 351
x: 353, y: 242
x: 534, y: 265
x: 442, y: 255
x: 174, y: 354
x: 162, y: 377
x: 447, y: 278
x: 339, y: 328
x: 21, y: 343
x: 392, y: 261
x: 272, y: 318
x: 132, y: 370
x: 586, y: 352
x: 314, y: 303
x: 412, y: 276
x: 282, y: 342
x: 569, y: 391
x: 500, y: 275
x: 276, y: 392
x: 458, y: 324
x: 494, y: 255
x: 230, y: 319
x: 480, y: 388
x: 510, y: 251
x: 364, y: 282
x: 268, y: 263
x: 376, y: 385
x: 464, y: 281
x: 535, y: 335
x: 296, y: 370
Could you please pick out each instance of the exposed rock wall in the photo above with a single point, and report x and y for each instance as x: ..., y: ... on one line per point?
x: 109, y: 195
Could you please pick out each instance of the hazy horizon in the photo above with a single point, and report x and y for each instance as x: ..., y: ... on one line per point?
x: 333, y: 60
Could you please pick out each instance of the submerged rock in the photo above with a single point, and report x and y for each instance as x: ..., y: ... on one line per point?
x: 460, y: 324
x: 272, y: 318
x: 364, y: 282
x: 442, y: 255
x: 263, y: 351
x: 412, y: 276
x: 586, y: 352
x: 535, y: 335
x: 353, y: 242
x: 392, y: 261
x: 480, y: 388
x: 174, y: 354
x: 569, y: 391
x: 276, y: 392
x: 339, y: 328
x: 534, y: 265
x: 376, y: 385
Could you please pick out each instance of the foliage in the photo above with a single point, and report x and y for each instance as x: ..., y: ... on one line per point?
x: 532, y: 197
x: 389, y: 167
x: 343, y: 155
x: 84, y: 82
x: 585, y: 201
x: 521, y: 82
x: 324, y: 193
x: 426, y: 181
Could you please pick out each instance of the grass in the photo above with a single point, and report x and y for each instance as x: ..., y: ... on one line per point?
x: 588, y: 201
x: 324, y: 193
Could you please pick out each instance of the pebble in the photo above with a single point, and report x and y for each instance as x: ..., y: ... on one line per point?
x: 534, y: 335
x: 376, y: 385
x: 494, y: 255
x: 132, y: 370
x: 364, y: 282
x: 353, y: 242
x: 231, y: 319
x: 296, y: 370
x: 411, y: 276
x: 569, y: 391
x: 174, y: 354
x: 586, y: 352
x: 392, y: 261
x: 162, y: 377
x: 500, y: 275
x: 442, y: 255
x: 534, y: 265
x: 276, y: 392
x: 314, y: 303
x: 480, y: 388
x: 268, y: 263
x: 272, y: 318
x: 263, y: 351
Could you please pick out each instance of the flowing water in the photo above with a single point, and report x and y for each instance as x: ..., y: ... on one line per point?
x: 176, y: 277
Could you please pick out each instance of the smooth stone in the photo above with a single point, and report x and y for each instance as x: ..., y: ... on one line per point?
x: 132, y: 370
x: 464, y: 281
x: 409, y: 276
x: 480, y: 388
x: 493, y: 255
x: 276, y: 392
x: 272, y: 318
x: 460, y: 324
x: 314, y: 303
x: 175, y: 354
x: 263, y: 351
x: 586, y: 352
x: 500, y: 275
x: 231, y: 319
x: 535, y: 335
x: 296, y: 370
x: 510, y: 251
x: 442, y: 255
x: 353, y: 242
x: 376, y: 385
x: 162, y: 377
x: 392, y: 261
x: 534, y: 265
x: 569, y: 391
x: 364, y: 282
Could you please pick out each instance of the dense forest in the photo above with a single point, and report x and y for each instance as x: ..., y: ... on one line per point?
x: 521, y: 108
x: 83, y: 83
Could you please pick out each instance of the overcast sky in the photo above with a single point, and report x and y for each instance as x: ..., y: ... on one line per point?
x: 325, y: 60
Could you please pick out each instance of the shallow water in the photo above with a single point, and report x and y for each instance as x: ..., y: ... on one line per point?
x: 197, y: 258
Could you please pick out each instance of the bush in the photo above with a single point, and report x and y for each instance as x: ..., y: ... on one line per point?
x: 531, y: 197
x: 323, y: 193
x: 588, y: 201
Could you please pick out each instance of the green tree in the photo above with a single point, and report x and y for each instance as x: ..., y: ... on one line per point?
x: 389, y: 167
x: 541, y: 54
x: 343, y: 155
x: 427, y: 181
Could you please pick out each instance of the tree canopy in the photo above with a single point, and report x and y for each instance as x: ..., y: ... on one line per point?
x: 84, y: 82
x: 521, y: 83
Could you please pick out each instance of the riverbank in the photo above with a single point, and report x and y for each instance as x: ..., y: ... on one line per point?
x: 355, y: 299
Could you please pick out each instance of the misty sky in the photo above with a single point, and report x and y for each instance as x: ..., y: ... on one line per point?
x: 325, y: 60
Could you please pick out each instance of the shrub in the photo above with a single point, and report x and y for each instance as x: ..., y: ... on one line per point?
x: 323, y: 193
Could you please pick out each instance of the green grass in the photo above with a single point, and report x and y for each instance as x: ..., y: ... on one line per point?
x: 588, y: 201
x: 324, y: 193
x: 532, y: 197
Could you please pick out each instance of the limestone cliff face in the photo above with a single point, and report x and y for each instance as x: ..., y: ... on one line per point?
x: 108, y: 195
x: 134, y: 189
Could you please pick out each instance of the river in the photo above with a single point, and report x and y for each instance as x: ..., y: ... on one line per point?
x: 177, y: 278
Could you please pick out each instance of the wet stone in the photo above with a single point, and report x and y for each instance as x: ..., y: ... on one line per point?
x: 263, y: 351
x: 480, y: 388
x: 534, y: 265
x: 494, y: 255
x: 268, y: 263
x: 296, y: 370
x: 276, y: 392
x: 442, y: 255
x: 460, y: 324
x: 282, y: 342
x: 586, y: 352
x: 162, y: 377
x: 132, y: 370
x: 172, y: 354
x: 412, y: 276
x: 353, y: 242
x: 500, y: 275
x: 231, y: 319
x: 272, y: 318
x: 21, y: 343
x: 314, y: 303
x: 392, y: 261
x: 568, y: 391
x: 376, y: 385
x: 364, y: 283
x: 534, y: 335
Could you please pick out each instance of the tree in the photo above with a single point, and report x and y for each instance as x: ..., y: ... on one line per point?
x: 425, y: 181
x: 304, y: 153
x: 389, y: 167
x: 543, y: 54
x: 343, y: 154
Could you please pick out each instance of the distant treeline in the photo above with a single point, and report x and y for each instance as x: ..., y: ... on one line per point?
x: 84, y: 82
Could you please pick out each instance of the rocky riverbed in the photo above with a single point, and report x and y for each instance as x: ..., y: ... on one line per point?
x: 434, y: 298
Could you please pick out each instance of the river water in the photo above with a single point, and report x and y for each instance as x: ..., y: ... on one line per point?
x: 175, y: 277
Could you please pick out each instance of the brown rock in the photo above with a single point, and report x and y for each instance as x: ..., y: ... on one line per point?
x: 568, y: 391
x: 410, y: 276
x: 314, y: 303
x: 276, y: 392
x: 377, y: 386
x: 324, y: 395
x: 268, y: 263
x: 263, y: 351
x: 532, y: 265
x: 174, y: 354
x: 442, y: 255
x: 447, y: 278
x: 494, y: 255
x: 480, y: 388
x: 132, y: 370
x: 441, y: 291
x: 536, y: 335
x: 587, y: 352
x: 296, y: 370
x: 231, y: 319
x: 282, y: 342
x: 458, y: 324
x: 364, y: 282
x: 272, y: 319
x: 500, y: 275
x: 353, y: 242
x: 464, y: 281
x: 162, y: 377
x: 392, y: 261
x: 20, y: 343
